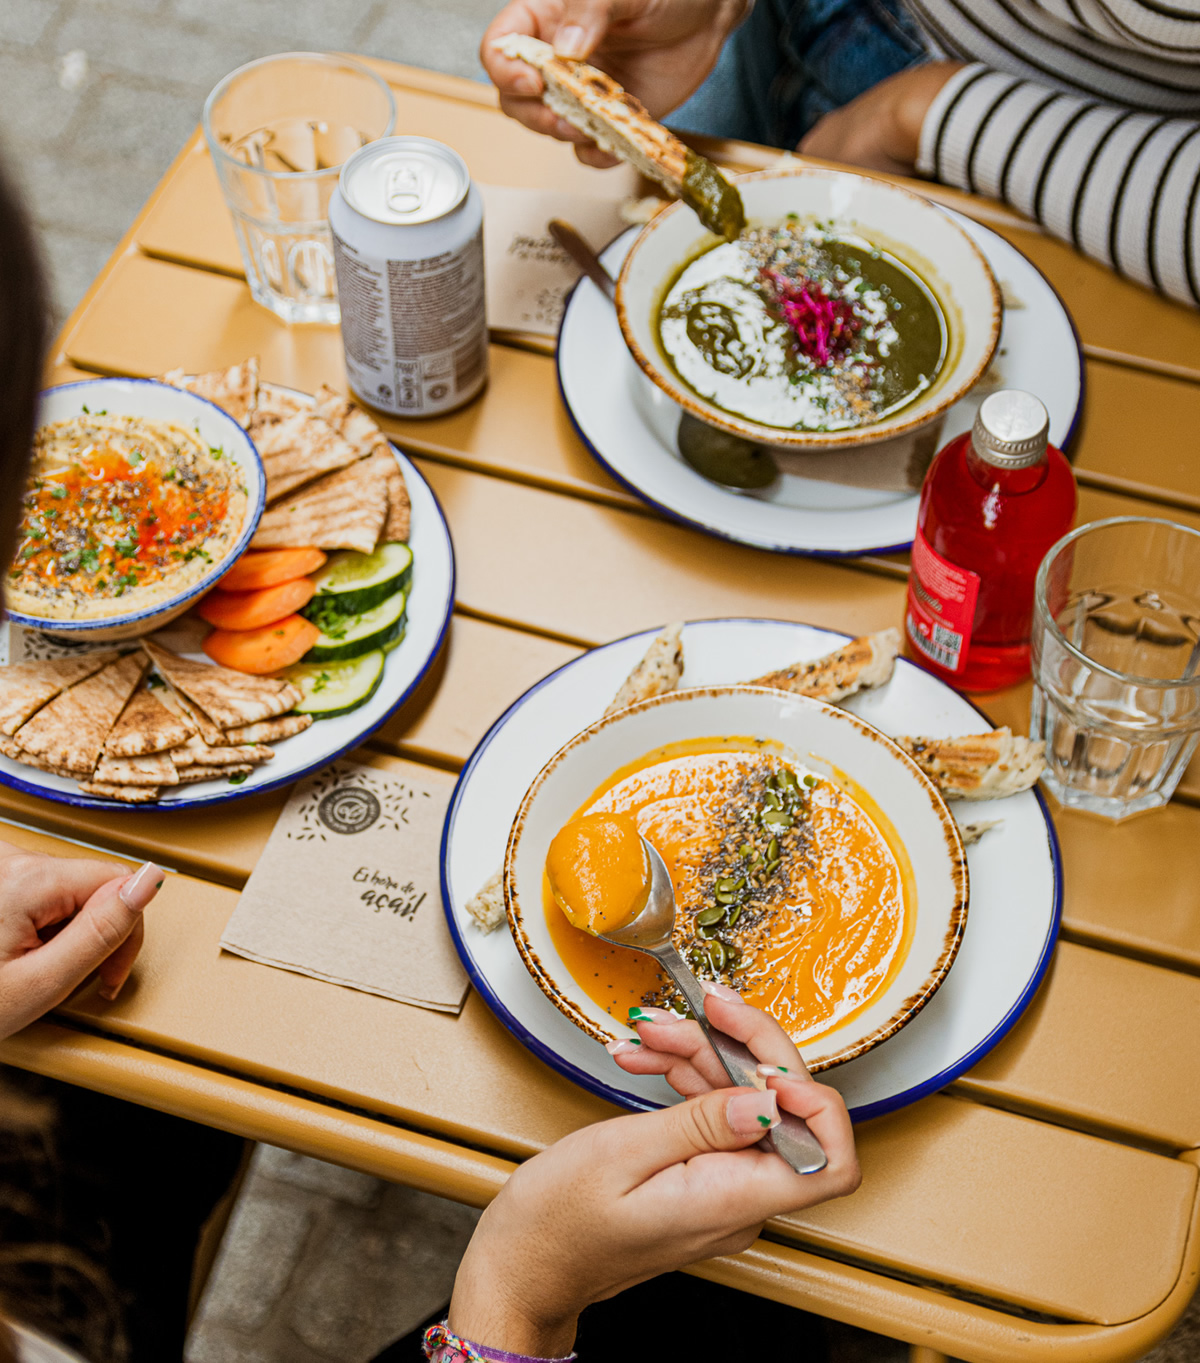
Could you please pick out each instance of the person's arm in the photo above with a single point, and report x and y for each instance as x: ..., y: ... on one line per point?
x: 625, y: 1200
x: 1119, y: 185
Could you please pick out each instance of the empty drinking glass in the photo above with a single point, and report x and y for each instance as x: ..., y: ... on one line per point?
x: 278, y: 130
x: 1116, y: 663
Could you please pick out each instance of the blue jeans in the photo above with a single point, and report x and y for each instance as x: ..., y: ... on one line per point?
x: 793, y: 61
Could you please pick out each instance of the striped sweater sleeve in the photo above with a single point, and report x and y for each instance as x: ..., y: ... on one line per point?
x: 1118, y: 184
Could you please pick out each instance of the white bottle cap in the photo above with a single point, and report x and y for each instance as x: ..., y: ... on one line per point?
x: 1011, y: 430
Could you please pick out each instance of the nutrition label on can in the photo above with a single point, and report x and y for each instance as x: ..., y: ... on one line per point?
x: 415, y: 331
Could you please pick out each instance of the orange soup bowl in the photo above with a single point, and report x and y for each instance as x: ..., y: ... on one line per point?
x: 876, y: 900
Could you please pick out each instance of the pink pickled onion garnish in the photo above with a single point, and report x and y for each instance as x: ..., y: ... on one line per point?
x: 824, y: 327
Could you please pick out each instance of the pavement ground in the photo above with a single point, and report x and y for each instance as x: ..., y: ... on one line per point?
x: 319, y: 1264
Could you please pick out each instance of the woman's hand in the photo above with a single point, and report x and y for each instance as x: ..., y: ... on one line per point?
x: 61, y: 918
x: 660, y: 50
x: 625, y: 1200
x: 881, y: 129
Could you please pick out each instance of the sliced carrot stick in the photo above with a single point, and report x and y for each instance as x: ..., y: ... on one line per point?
x: 267, y: 567
x: 252, y: 610
x: 259, y: 651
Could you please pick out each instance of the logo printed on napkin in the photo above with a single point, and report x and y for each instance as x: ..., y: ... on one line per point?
x: 347, y: 888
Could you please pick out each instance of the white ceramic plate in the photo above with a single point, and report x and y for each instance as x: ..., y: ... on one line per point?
x: 629, y: 425
x: 430, y: 603
x: 1014, y: 871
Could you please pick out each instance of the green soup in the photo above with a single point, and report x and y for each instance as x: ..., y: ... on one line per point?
x: 802, y: 327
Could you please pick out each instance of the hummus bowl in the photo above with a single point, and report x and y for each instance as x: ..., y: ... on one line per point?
x: 842, y: 753
x: 141, y: 496
x: 899, y: 230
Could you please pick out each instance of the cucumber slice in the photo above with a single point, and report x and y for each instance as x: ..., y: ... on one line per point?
x: 351, y: 583
x: 349, y: 636
x: 336, y: 688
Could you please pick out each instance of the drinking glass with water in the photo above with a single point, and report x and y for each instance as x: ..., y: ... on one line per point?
x: 1116, y: 663
x: 279, y: 130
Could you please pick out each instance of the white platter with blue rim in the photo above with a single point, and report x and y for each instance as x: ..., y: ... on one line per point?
x: 430, y: 603
x: 629, y: 425
x: 1015, y: 872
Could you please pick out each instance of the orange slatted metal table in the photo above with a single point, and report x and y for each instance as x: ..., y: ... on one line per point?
x: 1046, y: 1205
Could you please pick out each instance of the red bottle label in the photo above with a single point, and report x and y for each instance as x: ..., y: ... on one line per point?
x: 941, y: 606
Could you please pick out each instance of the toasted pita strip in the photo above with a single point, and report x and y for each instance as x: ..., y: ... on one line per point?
x: 399, y: 509
x: 269, y: 730
x: 298, y: 449
x: 191, y: 715
x: 234, y: 390
x: 197, y: 753
x: 659, y: 671
x: 344, y: 510
x: 26, y: 687
x: 979, y: 766
x: 147, y: 769
x: 190, y: 775
x: 228, y: 698
x: 863, y: 662
x: 486, y: 905
x: 146, y: 725
x: 274, y: 405
x: 351, y: 423
x: 130, y: 795
x: 12, y: 749
x: 71, y: 730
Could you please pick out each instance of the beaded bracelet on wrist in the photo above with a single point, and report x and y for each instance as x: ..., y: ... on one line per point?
x: 443, y: 1347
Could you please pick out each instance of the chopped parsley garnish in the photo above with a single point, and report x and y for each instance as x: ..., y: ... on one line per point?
x: 125, y: 547
x: 321, y: 682
x: 58, y: 492
x: 89, y: 560
x: 197, y: 552
x: 217, y: 451
x: 239, y: 778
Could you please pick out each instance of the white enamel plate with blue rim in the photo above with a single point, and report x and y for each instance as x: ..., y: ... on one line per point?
x: 629, y: 425
x: 1015, y: 874
x: 430, y: 603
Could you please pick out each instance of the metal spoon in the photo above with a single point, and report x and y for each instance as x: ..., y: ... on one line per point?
x: 727, y: 460
x: 650, y: 932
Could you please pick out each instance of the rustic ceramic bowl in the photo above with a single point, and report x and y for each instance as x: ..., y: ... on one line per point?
x: 912, y: 228
x: 822, y: 737
x: 156, y: 402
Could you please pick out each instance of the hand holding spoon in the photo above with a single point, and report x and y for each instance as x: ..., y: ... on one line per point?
x: 648, y: 928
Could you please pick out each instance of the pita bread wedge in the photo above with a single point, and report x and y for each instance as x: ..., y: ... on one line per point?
x: 351, y: 423
x: 11, y: 748
x: 269, y: 730
x: 298, y: 449
x: 197, y: 753
x: 71, y: 730
x: 196, y: 720
x: 658, y: 672
x: 274, y: 405
x: 148, y: 769
x: 590, y: 100
x: 26, y: 687
x: 146, y: 725
x: 190, y: 775
x: 234, y: 390
x: 344, y: 510
x: 130, y: 795
x: 979, y: 766
x: 863, y: 662
x: 226, y: 697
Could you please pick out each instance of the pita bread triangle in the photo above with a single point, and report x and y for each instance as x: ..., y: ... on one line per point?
x: 71, y: 730
x: 228, y: 698
x: 234, y: 390
x: 298, y: 449
x: 26, y: 687
x: 351, y: 423
x: 146, y: 726
x: 343, y: 510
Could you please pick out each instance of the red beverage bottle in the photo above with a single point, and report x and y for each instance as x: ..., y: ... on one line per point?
x: 993, y: 503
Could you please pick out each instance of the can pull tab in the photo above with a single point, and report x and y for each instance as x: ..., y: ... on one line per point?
x: 405, y: 192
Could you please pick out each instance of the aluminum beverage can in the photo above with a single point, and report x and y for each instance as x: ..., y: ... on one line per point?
x: 407, y: 226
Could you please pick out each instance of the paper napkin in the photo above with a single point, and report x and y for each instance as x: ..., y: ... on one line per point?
x: 347, y: 888
x: 528, y: 274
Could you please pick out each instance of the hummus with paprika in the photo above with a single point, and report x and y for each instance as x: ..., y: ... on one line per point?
x: 121, y: 513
